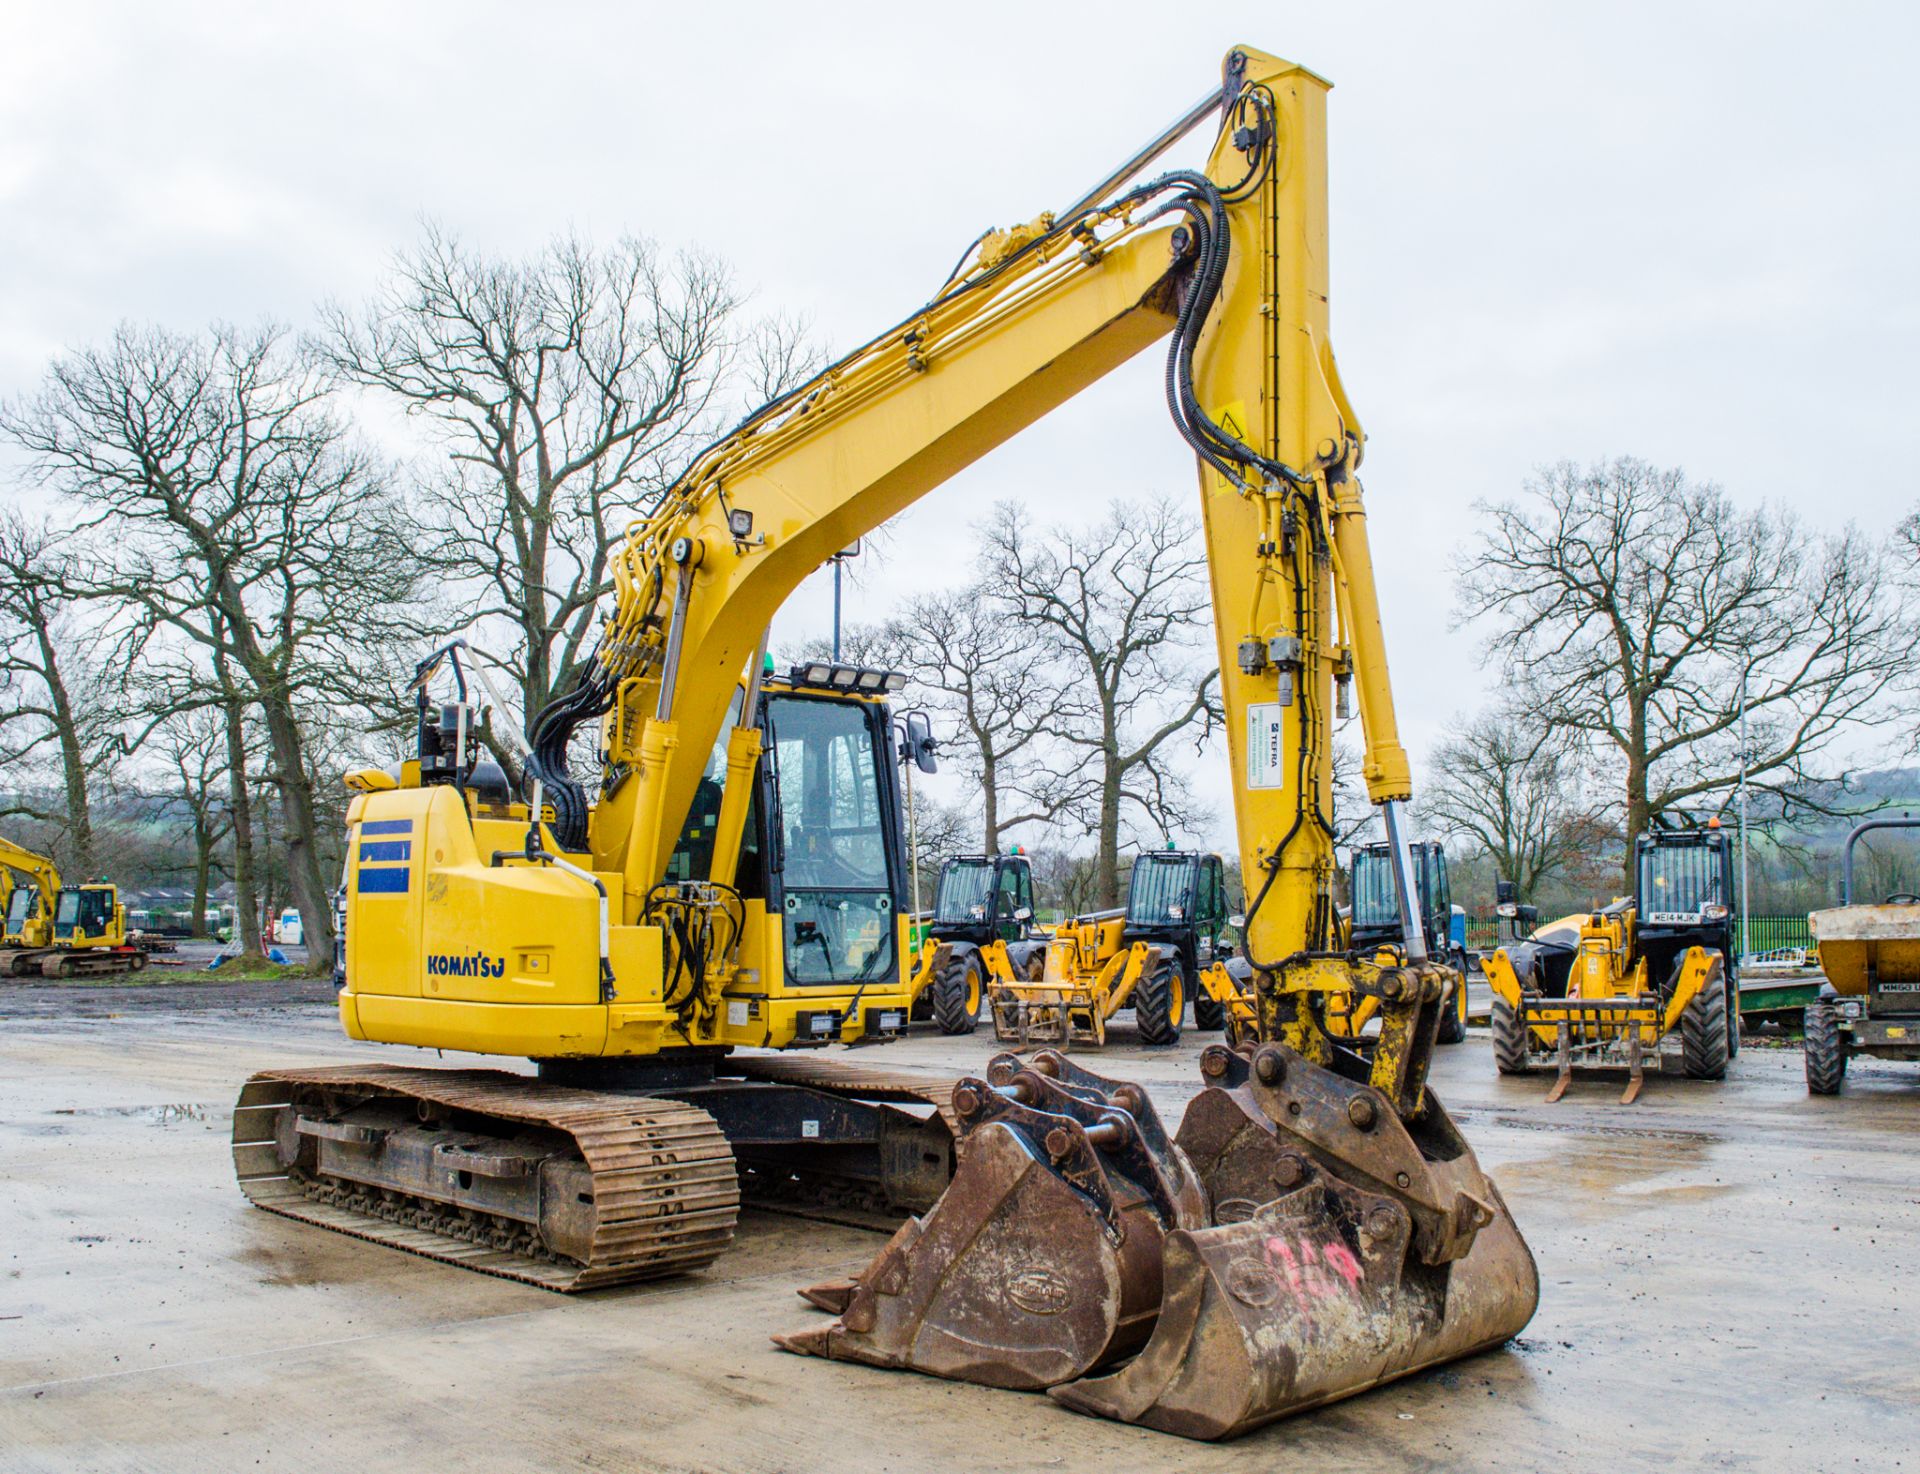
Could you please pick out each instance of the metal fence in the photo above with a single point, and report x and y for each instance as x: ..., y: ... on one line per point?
x: 1771, y: 933
x: 1482, y: 936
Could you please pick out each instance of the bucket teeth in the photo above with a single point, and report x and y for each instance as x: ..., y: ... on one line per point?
x: 1343, y: 1255
x: 1041, y: 1261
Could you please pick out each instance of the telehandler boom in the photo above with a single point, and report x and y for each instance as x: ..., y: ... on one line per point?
x: 730, y: 877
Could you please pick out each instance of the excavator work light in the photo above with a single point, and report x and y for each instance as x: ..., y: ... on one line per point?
x: 871, y: 680
x: 896, y: 682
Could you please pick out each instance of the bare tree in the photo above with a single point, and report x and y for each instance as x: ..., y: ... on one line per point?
x: 937, y: 832
x: 1355, y: 819
x: 563, y: 390
x: 246, y: 523
x: 1643, y: 611
x: 53, y: 695
x: 989, y: 673
x: 191, y: 744
x: 179, y: 688
x: 1511, y: 784
x: 1064, y: 882
x: 1124, y: 605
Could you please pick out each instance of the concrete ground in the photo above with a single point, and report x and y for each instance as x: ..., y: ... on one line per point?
x: 1729, y: 1282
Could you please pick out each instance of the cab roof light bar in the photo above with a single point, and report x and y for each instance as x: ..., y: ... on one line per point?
x: 826, y: 676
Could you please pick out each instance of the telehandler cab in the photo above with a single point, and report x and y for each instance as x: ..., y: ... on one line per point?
x: 981, y: 931
x: 1373, y: 927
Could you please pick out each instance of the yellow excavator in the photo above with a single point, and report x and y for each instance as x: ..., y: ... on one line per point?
x: 57, y: 931
x: 729, y: 878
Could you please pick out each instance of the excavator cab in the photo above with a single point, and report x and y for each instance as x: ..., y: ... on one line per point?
x: 821, y: 843
x: 26, y: 926
x: 830, y: 855
x: 88, y: 916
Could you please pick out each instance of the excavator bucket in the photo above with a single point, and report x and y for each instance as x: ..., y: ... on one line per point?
x: 1041, y: 1261
x: 1347, y: 1248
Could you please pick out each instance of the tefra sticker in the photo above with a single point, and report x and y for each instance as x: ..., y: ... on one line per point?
x: 1266, y: 745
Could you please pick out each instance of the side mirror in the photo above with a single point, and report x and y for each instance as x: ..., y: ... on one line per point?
x: 918, y: 744
x: 1237, y: 921
x: 1023, y: 914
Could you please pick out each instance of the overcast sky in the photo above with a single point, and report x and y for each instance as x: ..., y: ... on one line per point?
x: 1685, y: 232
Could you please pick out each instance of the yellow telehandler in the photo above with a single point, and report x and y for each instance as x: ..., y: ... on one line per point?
x: 981, y: 933
x: 1150, y: 955
x: 1650, y: 977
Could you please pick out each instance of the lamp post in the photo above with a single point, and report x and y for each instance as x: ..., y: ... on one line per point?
x: 1746, y: 917
x: 852, y: 550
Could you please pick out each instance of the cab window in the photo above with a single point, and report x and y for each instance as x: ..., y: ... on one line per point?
x: 835, y: 872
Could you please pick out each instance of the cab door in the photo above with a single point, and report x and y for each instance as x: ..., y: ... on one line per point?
x: 1012, y: 890
x: 1212, y: 910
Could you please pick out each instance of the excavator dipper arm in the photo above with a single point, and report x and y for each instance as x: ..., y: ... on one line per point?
x: 1350, y: 1236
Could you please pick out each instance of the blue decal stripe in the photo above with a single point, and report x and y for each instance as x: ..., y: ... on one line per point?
x: 387, y: 826
x: 386, y: 849
x: 390, y: 881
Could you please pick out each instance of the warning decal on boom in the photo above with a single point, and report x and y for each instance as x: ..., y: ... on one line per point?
x: 1264, y: 745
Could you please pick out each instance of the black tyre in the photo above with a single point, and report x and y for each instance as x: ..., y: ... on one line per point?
x: 1703, y: 1035
x: 1509, y: 1038
x: 1208, y: 1012
x: 1157, y: 1003
x: 1826, y: 1049
x: 1453, y: 1017
x: 956, y: 995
